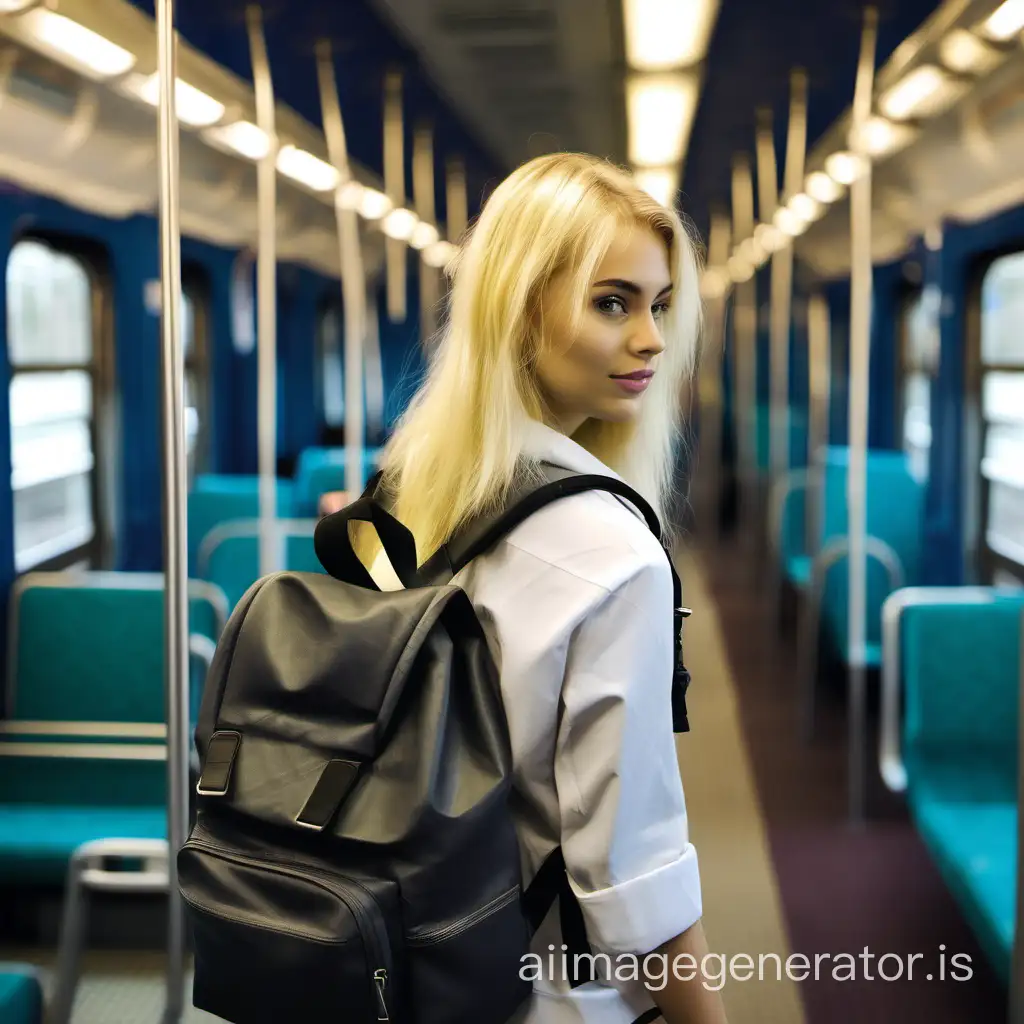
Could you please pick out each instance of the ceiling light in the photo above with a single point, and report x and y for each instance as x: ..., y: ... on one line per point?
x: 880, y: 137
x: 769, y: 237
x: 440, y: 254
x: 714, y: 283
x: 242, y: 137
x: 400, y: 224
x: 307, y: 169
x: 350, y: 195
x: 662, y: 35
x: 661, y: 109
x: 1006, y: 21
x: 740, y: 270
x: 13, y: 6
x: 965, y: 53
x: 926, y: 90
x: 658, y: 182
x: 423, y: 234
x: 92, y: 53
x: 845, y: 168
x: 805, y: 207
x: 373, y: 204
x: 193, y: 107
x: 788, y: 222
x: 823, y: 188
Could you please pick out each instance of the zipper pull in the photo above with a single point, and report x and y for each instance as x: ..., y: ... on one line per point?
x: 380, y: 978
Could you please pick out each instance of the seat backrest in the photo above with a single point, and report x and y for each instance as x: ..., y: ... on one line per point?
x: 216, y: 499
x: 86, y: 648
x: 322, y: 470
x: 230, y: 557
x: 894, y: 514
x: 961, y: 671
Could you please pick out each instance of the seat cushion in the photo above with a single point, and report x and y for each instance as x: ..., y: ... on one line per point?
x: 21, y: 995
x: 36, y: 841
x: 975, y: 846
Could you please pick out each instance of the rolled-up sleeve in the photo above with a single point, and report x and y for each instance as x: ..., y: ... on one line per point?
x: 625, y: 836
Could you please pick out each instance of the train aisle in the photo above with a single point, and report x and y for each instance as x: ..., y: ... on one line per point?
x: 742, y: 904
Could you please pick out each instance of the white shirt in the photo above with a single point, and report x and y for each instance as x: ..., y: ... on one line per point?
x: 576, y: 603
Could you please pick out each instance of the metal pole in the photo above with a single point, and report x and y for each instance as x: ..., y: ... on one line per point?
x: 745, y: 354
x: 394, y: 184
x: 782, y: 285
x: 266, y: 294
x: 819, y: 365
x: 860, y: 359
x: 172, y: 377
x: 353, y: 275
x: 710, y: 383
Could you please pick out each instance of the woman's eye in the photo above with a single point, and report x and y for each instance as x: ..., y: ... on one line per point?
x: 660, y: 309
x: 611, y: 304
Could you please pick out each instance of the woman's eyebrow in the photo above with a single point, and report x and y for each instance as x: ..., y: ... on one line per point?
x: 628, y: 286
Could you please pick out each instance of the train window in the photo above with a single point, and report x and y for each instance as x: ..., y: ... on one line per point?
x: 916, y: 372
x: 52, y: 401
x: 1002, y: 410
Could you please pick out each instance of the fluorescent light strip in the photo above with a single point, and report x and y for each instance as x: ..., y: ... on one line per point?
x: 13, y: 6
x: 424, y: 235
x: 921, y: 92
x: 661, y: 109
x: 400, y: 224
x: 845, y: 168
x: 194, y: 107
x: 1006, y: 21
x: 822, y: 187
x: 662, y: 35
x: 87, y: 50
x: 307, y: 169
x: 242, y: 137
x: 965, y: 53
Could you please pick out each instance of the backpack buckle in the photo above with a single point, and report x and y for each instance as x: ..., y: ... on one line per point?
x: 220, y: 759
x: 335, y: 783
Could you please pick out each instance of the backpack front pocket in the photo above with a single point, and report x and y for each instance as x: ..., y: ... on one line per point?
x: 298, y: 944
x: 467, y: 971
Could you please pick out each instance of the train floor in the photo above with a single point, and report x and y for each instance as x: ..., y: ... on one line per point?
x: 783, y: 873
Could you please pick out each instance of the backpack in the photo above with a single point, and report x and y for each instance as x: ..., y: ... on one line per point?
x: 353, y: 856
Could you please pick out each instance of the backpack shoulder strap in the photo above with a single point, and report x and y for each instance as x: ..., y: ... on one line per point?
x: 483, y: 533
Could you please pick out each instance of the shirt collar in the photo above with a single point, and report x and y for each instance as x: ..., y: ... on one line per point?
x: 546, y: 443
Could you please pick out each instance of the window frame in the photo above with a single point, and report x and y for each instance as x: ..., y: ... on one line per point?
x: 97, y: 552
x: 985, y: 561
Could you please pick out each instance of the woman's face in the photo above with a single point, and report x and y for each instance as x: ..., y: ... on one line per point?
x: 602, y: 370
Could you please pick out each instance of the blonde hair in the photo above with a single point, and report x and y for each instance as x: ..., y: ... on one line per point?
x: 458, y: 448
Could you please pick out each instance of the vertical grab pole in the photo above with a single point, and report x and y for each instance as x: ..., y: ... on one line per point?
x: 423, y: 197
x: 818, y: 341
x: 782, y: 283
x: 353, y: 275
x: 745, y: 349
x: 710, y: 381
x: 860, y: 364
x: 394, y: 185
x: 176, y: 656
x: 266, y: 294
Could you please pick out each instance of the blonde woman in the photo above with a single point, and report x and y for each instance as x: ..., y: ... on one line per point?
x: 574, y: 320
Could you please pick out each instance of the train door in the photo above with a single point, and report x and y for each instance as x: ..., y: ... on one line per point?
x: 330, y: 360
x: 1000, y: 374
x: 60, y: 371
x: 917, y: 349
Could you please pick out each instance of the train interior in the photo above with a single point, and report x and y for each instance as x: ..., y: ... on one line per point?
x: 851, y: 489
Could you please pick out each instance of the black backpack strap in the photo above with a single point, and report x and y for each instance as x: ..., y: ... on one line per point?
x: 483, y: 533
x: 550, y: 883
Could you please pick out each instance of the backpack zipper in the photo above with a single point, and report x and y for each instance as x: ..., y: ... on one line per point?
x: 365, y: 922
x: 430, y: 936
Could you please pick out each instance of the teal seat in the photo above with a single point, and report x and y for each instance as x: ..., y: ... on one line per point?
x: 798, y: 570
x: 216, y: 499
x: 230, y: 557
x: 961, y: 671
x: 322, y: 470
x: 81, y: 745
x: 894, y: 513
x: 21, y: 995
